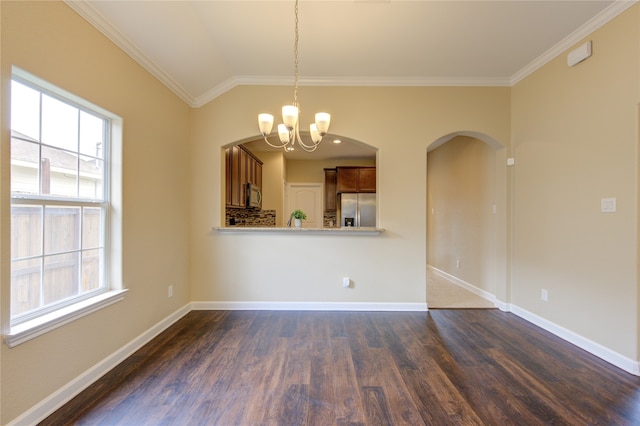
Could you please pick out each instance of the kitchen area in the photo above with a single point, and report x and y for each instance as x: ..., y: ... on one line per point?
x: 257, y: 183
x: 350, y: 196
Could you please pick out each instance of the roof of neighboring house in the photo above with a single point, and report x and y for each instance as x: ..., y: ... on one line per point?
x: 22, y: 149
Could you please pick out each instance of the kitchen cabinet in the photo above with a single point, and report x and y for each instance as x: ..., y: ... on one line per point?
x: 235, y: 185
x: 227, y: 176
x: 330, y: 193
x: 254, y: 171
x: 367, y: 179
x: 347, y: 179
x: 241, y: 167
x: 356, y: 179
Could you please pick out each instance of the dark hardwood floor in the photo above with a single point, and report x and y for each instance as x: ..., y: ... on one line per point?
x: 445, y: 367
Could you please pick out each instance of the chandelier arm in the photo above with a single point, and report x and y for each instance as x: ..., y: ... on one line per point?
x: 281, y: 145
x: 305, y: 147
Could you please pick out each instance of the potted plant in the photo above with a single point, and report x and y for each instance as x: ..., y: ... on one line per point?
x: 298, y: 216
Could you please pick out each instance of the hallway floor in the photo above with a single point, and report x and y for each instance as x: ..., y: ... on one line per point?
x: 445, y: 294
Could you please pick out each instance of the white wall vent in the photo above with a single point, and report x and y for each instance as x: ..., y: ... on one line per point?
x: 579, y: 54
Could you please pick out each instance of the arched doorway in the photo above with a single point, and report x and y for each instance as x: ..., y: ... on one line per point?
x: 466, y: 222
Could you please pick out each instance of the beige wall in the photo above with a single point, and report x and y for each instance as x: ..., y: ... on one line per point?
x: 575, y: 140
x: 51, y: 41
x: 390, y: 268
x: 461, y: 193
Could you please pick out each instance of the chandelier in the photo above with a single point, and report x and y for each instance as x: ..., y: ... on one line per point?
x: 289, y: 131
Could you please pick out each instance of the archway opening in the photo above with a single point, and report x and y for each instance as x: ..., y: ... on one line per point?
x: 464, y: 195
x: 282, y: 171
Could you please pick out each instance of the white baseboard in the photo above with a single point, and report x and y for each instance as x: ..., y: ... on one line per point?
x: 63, y: 395
x: 307, y: 306
x: 470, y: 287
x: 590, y: 346
x: 614, y: 358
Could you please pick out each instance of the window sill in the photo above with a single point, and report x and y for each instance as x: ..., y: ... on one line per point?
x: 31, y: 329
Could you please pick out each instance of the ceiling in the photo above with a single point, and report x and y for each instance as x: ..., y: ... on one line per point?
x: 201, y: 49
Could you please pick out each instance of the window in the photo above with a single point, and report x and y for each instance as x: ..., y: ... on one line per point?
x: 60, y: 199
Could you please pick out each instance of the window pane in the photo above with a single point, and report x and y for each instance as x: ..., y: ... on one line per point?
x: 92, y: 228
x: 59, y: 124
x: 26, y: 231
x: 25, y: 111
x: 60, y: 277
x: 24, y: 167
x: 91, y: 135
x: 25, y: 285
x: 92, y: 261
x: 91, y: 178
x: 58, y: 150
x: 61, y: 229
x: 59, y: 173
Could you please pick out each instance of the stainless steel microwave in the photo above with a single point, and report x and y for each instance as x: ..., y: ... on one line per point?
x: 254, y: 196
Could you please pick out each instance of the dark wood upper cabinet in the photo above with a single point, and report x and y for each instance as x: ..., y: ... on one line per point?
x: 242, y: 167
x: 367, y: 179
x: 242, y: 176
x: 330, y: 193
x: 347, y: 179
x: 356, y: 179
x: 233, y: 186
x: 227, y: 176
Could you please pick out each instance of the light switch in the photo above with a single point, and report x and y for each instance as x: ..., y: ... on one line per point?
x: 608, y: 205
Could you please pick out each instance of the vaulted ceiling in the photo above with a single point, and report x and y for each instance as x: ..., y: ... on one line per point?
x: 201, y: 49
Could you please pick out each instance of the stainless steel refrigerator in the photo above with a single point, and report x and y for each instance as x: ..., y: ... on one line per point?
x: 358, y: 210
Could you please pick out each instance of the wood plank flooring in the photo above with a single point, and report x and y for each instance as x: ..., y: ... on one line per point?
x: 444, y: 367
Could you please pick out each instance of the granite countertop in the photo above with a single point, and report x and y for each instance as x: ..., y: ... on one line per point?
x: 270, y: 229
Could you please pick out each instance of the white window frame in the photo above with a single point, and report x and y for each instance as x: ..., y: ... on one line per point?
x: 47, y: 319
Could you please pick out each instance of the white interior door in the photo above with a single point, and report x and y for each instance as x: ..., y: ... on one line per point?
x: 308, y: 198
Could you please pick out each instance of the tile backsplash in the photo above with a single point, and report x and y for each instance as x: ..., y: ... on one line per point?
x: 250, y: 217
x: 260, y: 218
x: 330, y: 220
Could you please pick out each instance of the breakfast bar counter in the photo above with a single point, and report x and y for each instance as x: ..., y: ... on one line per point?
x: 349, y: 230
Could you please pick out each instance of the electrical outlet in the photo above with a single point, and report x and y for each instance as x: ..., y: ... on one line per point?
x: 544, y: 295
x: 170, y: 291
x: 457, y: 263
x: 346, y: 282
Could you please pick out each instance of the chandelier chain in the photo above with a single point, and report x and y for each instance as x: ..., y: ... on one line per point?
x: 295, y: 59
x: 289, y: 132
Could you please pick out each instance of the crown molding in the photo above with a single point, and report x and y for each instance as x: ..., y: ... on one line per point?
x: 377, y: 81
x: 232, y: 82
x: 585, y: 30
x: 102, y: 24
x: 346, y: 81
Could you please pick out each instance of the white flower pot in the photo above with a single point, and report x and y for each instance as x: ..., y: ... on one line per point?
x: 297, y: 223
